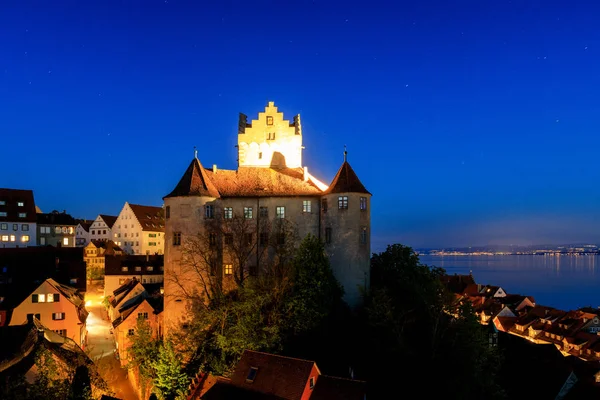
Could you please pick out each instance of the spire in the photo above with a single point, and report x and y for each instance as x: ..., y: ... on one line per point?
x: 195, y: 182
x: 346, y: 181
x: 345, y: 154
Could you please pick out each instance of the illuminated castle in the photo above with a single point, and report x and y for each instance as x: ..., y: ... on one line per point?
x: 269, y: 187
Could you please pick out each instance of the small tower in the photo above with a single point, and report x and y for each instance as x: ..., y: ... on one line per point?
x: 270, y: 141
x: 185, y: 209
x: 346, y: 229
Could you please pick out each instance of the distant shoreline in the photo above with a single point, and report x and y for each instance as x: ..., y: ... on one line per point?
x: 505, y: 254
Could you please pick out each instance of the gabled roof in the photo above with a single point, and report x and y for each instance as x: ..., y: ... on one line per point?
x: 56, y: 218
x: 132, y: 304
x: 149, y: 265
x: 109, y: 220
x: 85, y: 225
x: 109, y: 246
x: 346, y: 181
x: 280, y: 376
x: 11, y: 198
x: 195, y: 182
x: 150, y: 218
x: 333, y: 388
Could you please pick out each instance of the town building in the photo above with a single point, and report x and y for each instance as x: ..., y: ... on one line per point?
x: 276, y: 200
x: 94, y: 255
x: 58, y: 307
x: 268, y: 376
x: 82, y: 232
x: 17, y: 218
x: 101, y: 228
x: 140, y: 229
x: 145, y: 269
x: 56, y: 229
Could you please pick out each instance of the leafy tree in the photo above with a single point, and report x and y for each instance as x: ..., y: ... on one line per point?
x: 81, y: 387
x: 144, y: 349
x: 170, y: 381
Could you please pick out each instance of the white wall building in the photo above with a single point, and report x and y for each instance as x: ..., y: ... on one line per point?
x: 101, y: 228
x: 140, y: 229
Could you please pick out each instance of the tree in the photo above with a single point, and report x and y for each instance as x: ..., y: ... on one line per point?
x: 144, y: 349
x: 170, y: 381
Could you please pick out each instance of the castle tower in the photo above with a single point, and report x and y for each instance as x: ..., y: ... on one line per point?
x: 185, y: 210
x: 346, y: 230
x: 270, y: 140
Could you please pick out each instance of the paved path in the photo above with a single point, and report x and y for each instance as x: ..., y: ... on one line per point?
x: 101, y: 346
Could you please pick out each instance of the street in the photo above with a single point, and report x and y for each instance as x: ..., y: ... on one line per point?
x: 101, y: 346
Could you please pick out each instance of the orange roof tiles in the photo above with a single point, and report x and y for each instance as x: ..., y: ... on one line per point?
x: 346, y: 181
x: 151, y: 218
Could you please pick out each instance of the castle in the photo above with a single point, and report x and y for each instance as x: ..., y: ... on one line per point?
x: 237, y: 218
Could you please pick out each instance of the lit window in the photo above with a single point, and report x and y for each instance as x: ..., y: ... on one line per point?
x: 228, y: 268
x: 209, y: 211
x: 64, y: 229
x: 328, y: 235
x: 2, y: 213
x: 306, y: 206
x: 22, y: 215
x: 248, y: 212
x: 50, y: 298
x: 25, y: 238
x: 138, y: 269
x: 5, y: 238
x: 363, y: 203
x: 269, y: 120
x: 20, y: 204
x: 58, y: 316
x: 177, y: 239
x: 25, y: 227
x: 343, y: 202
x: 41, y: 298
x: 13, y: 238
x: 228, y: 213
x: 251, y: 374
x: 312, y: 382
x: 363, y: 235
x: 57, y: 229
x: 124, y: 269
x: 43, y: 241
x: 280, y: 212
x: 66, y: 241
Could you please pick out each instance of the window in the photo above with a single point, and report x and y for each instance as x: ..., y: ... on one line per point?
x: 137, y: 243
x: 30, y: 317
x: 271, y: 136
x: 15, y: 227
x: 57, y: 229
x: 66, y: 241
x: 260, y: 155
x: 22, y: 215
x: 152, y: 235
x: 248, y: 212
x: 212, y: 239
x: 138, y: 269
x: 150, y: 269
x: 131, y: 332
x: 228, y: 213
x: 70, y: 230
x: 20, y: 204
x: 312, y: 382
x: 251, y: 374
x: 124, y: 269
x: 25, y: 227
x: 25, y: 238
x: 2, y: 213
x: 306, y: 206
x: 363, y: 235
x: 209, y: 211
x: 104, y: 232
x: 343, y: 202
x: 264, y: 238
x: 280, y: 212
x: 43, y: 241
x: 13, y: 238
x: 58, y: 316
x: 269, y: 120
x: 151, y: 243
x: 64, y: 229
x: 137, y: 234
x: 228, y: 268
x: 168, y: 212
x: 324, y: 205
x: 2, y: 202
x: 228, y: 238
x: 5, y: 238
x: 327, y: 235
x: 143, y: 315
x: 93, y: 232
x: 263, y: 212
x: 248, y: 238
x: 61, y: 332
x: 4, y: 227
x: 177, y: 239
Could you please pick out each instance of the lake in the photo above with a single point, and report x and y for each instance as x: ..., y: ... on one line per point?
x: 565, y: 282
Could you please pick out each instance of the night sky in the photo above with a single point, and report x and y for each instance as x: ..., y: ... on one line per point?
x: 471, y: 123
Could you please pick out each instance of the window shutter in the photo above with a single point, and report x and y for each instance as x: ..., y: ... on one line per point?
x: 53, y: 316
x: 56, y: 297
x: 34, y: 298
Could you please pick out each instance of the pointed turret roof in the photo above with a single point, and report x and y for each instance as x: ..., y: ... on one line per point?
x: 195, y: 182
x: 346, y: 181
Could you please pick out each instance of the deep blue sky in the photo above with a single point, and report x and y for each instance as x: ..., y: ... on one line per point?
x: 471, y: 122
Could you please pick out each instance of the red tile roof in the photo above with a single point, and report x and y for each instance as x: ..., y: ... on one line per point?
x: 280, y: 376
x: 346, y: 181
x: 194, y: 182
x: 11, y: 198
x: 333, y: 388
x: 151, y: 218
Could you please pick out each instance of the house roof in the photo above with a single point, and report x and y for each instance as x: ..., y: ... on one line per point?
x: 132, y: 304
x: 11, y: 198
x: 149, y: 264
x: 109, y: 246
x: 457, y: 283
x: 333, y: 388
x: 150, y: 218
x: 280, y: 376
x: 109, y: 220
x: 346, y: 181
x: 85, y: 225
x: 56, y: 218
x: 195, y: 182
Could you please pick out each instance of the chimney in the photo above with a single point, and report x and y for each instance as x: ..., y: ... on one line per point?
x: 305, y: 174
x: 214, y: 168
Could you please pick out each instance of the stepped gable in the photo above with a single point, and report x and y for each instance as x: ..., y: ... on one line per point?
x: 195, y: 182
x: 346, y: 181
x: 262, y: 182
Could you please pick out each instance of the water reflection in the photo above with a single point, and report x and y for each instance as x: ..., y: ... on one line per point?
x: 559, y: 281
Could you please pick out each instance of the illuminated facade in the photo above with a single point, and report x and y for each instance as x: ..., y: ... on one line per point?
x: 269, y: 186
x: 18, y: 218
x: 140, y: 230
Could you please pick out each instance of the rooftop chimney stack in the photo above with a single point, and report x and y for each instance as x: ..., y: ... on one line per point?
x: 214, y: 168
x: 305, y: 174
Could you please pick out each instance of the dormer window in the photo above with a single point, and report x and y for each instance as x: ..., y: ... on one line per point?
x: 269, y: 120
x: 251, y: 374
x: 312, y: 382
